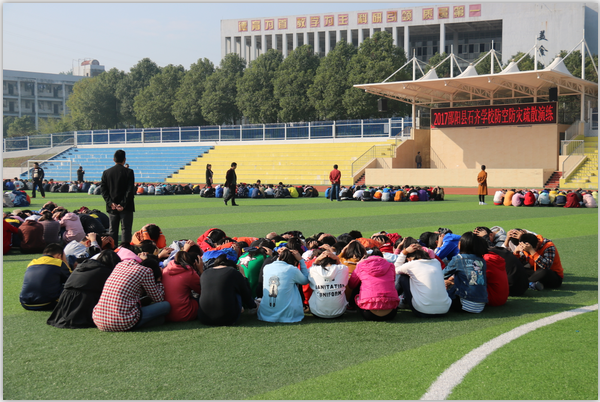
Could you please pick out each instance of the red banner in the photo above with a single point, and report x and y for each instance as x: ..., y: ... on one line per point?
x: 495, y: 115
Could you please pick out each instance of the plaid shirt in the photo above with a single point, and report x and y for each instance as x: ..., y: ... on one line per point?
x: 543, y: 258
x: 119, y: 307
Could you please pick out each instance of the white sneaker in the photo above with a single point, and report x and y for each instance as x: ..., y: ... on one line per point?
x: 479, y: 202
x: 483, y: 203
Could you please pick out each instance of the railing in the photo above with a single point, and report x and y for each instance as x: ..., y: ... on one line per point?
x: 376, y: 151
x: 575, y: 158
x: 373, y: 128
x: 573, y: 131
x: 568, y: 147
x: 435, y: 162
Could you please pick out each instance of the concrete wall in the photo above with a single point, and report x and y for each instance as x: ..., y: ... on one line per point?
x: 498, y: 147
x: 406, y: 152
x: 497, y: 178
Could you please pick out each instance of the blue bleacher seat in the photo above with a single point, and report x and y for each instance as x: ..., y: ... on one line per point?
x: 150, y: 164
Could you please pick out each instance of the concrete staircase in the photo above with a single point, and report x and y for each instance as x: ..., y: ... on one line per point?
x: 586, y: 174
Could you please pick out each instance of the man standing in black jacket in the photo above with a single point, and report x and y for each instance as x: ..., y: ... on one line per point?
x: 38, y: 177
x: 231, y: 184
x: 118, y: 189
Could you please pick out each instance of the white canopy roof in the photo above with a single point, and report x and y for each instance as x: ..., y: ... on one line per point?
x: 469, y: 89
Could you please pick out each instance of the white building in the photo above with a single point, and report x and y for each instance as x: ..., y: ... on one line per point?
x: 38, y: 95
x: 468, y: 28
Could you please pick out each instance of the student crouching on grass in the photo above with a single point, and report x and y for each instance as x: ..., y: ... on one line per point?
x: 225, y: 292
x: 119, y: 307
x: 465, y: 275
x: 281, y: 300
x: 181, y: 279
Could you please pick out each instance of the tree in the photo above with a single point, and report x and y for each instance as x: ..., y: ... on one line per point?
x: 187, y: 108
x: 21, y: 126
x: 331, y: 81
x: 137, y: 79
x: 573, y: 64
x: 484, y: 66
x: 526, y: 64
x: 52, y: 126
x: 153, y: 106
x: 220, y: 94
x: 255, y: 89
x: 376, y: 60
x: 93, y: 103
x: 70, y: 72
x: 293, y: 79
x: 443, y: 70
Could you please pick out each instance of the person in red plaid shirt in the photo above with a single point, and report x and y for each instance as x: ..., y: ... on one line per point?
x: 119, y: 308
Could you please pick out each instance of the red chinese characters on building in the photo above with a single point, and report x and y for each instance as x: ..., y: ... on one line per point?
x: 328, y: 19
x: 427, y: 14
x: 475, y: 10
x: 377, y: 18
x: 392, y: 16
x: 343, y: 19
x: 315, y: 21
x: 256, y: 25
x: 282, y: 23
x: 301, y: 22
x: 269, y: 25
x: 242, y: 26
x: 532, y: 113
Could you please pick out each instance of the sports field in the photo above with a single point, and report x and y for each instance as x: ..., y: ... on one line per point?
x: 345, y: 358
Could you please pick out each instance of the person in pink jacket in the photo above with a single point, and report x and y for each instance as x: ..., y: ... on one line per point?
x: 377, y: 298
x: 71, y: 223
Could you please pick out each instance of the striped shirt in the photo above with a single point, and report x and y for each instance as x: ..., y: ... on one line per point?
x: 119, y: 306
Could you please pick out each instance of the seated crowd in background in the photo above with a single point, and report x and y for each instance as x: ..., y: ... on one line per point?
x: 547, y: 198
x: 87, y: 280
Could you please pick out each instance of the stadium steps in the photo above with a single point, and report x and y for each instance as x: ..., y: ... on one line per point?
x: 307, y: 163
x: 586, y: 174
x: 554, y: 180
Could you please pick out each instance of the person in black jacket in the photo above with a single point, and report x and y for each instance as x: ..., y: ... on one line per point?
x: 82, y: 292
x: 231, y: 184
x: 118, y: 190
x: 38, y: 176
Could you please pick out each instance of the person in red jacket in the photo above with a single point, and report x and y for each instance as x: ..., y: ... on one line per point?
x: 530, y: 199
x: 334, y: 177
x: 180, y: 278
x: 497, y: 279
x: 8, y: 232
x: 572, y: 200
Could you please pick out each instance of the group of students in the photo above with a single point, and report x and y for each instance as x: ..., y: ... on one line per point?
x: 547, y: 198
x: 387, y: 193
x: 283, y: 277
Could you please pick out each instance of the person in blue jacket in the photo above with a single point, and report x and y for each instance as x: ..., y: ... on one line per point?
x: 281, y: 300
x: 447, y: 245
x: 465, y: 275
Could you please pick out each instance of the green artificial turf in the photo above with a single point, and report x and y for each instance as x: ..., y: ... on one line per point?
x: 345, y: 358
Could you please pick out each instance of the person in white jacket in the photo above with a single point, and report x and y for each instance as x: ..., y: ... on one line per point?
x: 422, y: 282
x: 328, y: 279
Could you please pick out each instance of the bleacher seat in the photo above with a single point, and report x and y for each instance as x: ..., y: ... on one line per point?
x: 150, y: 164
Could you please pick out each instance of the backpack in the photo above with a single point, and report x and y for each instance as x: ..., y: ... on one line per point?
x: 20, y: 199
x: 279, y: 192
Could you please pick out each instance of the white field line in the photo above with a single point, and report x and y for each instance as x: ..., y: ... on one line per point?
x: 454, y: 375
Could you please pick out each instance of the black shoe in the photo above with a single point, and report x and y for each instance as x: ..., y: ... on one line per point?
x: 225, y: 202
x: 234, y: 205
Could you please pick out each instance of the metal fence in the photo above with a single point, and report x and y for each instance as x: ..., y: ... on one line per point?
x: 249, y: 132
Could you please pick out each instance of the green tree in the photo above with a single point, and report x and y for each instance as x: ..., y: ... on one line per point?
x: 93, y: 103
x: 443, y: 70
x: 220, y: 94
x: 70, y: 72
x: 137, y: 79
x: 187, y: 108
x: 526, y: 64
x: 573, y: 64
x: 255, y: 89
x: 484, y: 66
x: 293, y: 79
x: 52, y: 126
x: 21, y: 126
x: 6, y: 121
x: 376, y: 60
x: 331, y: 81
x: 153, y: 106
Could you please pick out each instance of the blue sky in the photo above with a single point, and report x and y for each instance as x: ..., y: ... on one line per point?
x: 52, y: 37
